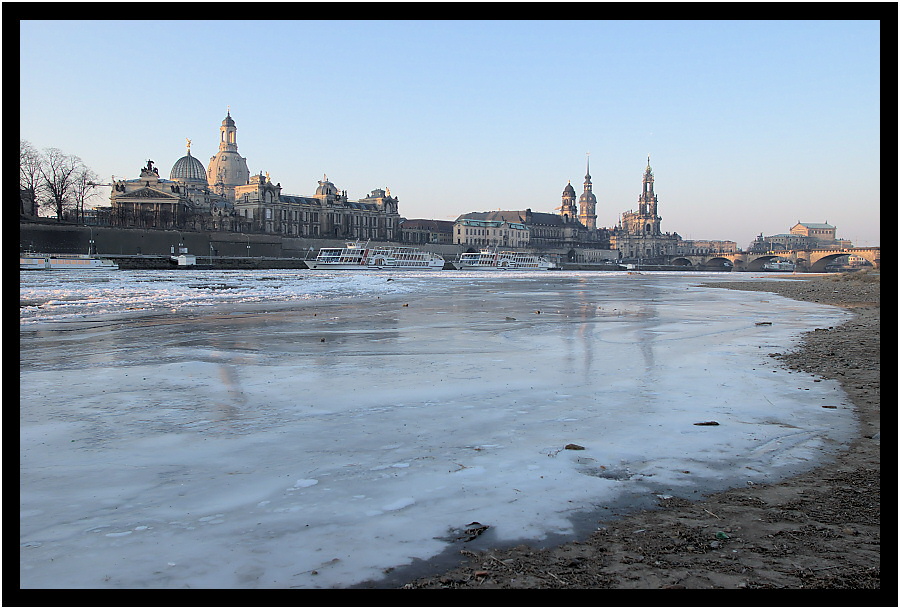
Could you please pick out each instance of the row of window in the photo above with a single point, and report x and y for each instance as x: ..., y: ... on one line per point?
x: 485, y: 231
x: 287, y: 215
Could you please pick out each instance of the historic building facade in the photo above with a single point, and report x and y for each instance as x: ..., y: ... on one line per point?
x: 491, y: 229
x: 572, y: 230
x: 821, y: 232
x: 803, y: 235
x: 184, y: 201
x: 328, y: 213
x: 705, y: 246
x: 224, y: 196
x: 421, y: 230
x: 588, y: 202
x: 227, y: 169
x: 639, y: 233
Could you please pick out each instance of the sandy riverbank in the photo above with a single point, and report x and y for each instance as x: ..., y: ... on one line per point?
x: 816, y: 530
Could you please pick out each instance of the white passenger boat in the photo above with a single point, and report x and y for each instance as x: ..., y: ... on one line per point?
x: 502, y: 261
x: 780, y: 265
x: 69, y: 262
x: 355, y: 256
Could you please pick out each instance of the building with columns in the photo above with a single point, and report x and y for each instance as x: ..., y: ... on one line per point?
x: 184, y: 201
x: 224, y: 196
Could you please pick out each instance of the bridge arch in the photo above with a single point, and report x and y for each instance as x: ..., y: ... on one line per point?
x: 819, y: 265
x: 681, y: 261
x: 758, y: 262
x: 718, y: 263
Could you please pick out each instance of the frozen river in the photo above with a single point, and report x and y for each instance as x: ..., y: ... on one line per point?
x: 276, y: 429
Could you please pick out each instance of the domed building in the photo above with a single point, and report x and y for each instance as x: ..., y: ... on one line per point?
x: 189, y: 170
x: 184, y: 201
x: 227, y: 168
x: 225, y: 197
x: 327, y: 191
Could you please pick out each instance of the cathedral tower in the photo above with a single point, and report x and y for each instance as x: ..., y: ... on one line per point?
x: 588, y: 202
x: 568, y: 210
x: 227, y: 168
x: 647, y: 203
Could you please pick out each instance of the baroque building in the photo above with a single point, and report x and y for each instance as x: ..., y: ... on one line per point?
x: 803, y: 235
x: 588, y: 202
x: 224, y: 196
x: 421, y: 230
x: 184, y: 201
x: 328, y: 213
x: 227, y: 169
x: 821, y: 232
x: 569, y: 230
x: 639, y: 233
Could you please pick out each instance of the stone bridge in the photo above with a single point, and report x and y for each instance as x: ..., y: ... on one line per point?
x: 810, y: 261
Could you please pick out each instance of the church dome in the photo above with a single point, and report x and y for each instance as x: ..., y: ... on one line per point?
x: 188, y: 169
x: 568, y: 190
x: 326, y: 187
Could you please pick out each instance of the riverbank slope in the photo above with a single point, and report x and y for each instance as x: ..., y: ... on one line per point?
x: 820, y: 529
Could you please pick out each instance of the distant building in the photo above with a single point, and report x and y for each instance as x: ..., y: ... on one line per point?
x: 824, y: 232
x: 491, y: 229
x: 328, y: 213
x: 688, y: 247
x: 184, y: 201
x: 588, y: 202
x: 225, y: 197
x: 426, y: 231
x: 639, y: 233
x: 227, y: 169
x: 567, y: 230
x: 803, y: 235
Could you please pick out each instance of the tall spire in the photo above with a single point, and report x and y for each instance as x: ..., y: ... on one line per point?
x: 588, y: 202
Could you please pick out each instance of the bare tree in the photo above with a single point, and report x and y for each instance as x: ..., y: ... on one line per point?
x: 58, y: 172
x: 30, y: 180
x: 83, y: 187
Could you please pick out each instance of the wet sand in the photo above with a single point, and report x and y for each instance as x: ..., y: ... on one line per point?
x: 821, y: 529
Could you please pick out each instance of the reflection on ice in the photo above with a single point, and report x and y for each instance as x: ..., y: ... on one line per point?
x: 313, y: 430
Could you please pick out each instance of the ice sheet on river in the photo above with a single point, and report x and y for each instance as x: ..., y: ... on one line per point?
x: 279, y: 429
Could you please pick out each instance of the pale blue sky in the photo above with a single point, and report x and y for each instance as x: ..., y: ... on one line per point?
x: 751, y: 125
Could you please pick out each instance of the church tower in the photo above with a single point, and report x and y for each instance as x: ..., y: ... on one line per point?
x: 647, y: 203
x: 227, y: 168
x: 588, y: 202
x: 568, y: 210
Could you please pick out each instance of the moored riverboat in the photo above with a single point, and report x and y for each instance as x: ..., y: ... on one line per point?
x: 69, y: 262
x: 355, y: 256
x: 780, y: 265
x: 502, y: 261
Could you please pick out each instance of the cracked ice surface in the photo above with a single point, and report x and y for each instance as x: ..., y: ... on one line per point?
x: 275, y: 429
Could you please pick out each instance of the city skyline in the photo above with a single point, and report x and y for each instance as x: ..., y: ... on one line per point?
x: 750, y: 126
